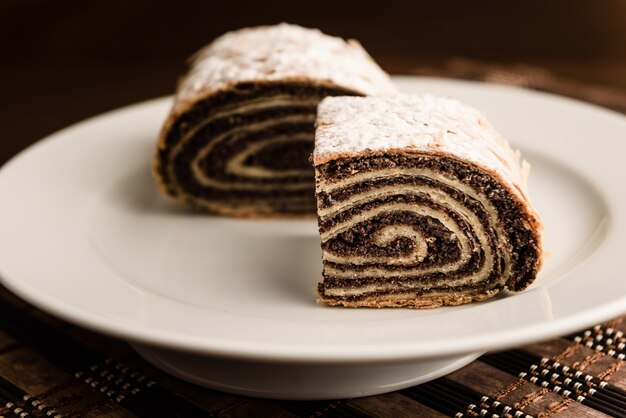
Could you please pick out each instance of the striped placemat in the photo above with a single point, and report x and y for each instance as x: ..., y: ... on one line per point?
x: 49, y: 368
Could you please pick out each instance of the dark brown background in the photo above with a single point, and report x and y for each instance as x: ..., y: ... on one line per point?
x: 62, y: 61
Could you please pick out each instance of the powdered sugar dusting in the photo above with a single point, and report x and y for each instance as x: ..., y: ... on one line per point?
x: 282, y: 52
x: 351, y: 126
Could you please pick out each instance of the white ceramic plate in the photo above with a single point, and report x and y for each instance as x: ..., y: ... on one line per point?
x: 85, y: 235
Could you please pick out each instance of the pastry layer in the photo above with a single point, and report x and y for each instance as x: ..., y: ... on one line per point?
x: 420, y: 230
x: 246, y: 150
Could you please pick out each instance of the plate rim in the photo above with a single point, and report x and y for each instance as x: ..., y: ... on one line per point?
x: 269, y: 353
x: 200, y: 344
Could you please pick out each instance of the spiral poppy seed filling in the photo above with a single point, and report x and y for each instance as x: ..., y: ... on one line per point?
x: 417, y: 226
x: 261, y: 157
x: 239, y: 138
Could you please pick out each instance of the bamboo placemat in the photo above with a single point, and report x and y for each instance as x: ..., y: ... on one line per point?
x: 49, y: 368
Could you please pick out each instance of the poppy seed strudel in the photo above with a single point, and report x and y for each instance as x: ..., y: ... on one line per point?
x: 420, y: 204
x: 240, y: 134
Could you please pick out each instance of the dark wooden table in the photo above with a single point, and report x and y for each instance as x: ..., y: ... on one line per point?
x: 49, y: 368
x: 66, y: 60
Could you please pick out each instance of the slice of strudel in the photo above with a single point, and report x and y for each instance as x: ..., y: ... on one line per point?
x: 239, y: 137
x: 421, y: 203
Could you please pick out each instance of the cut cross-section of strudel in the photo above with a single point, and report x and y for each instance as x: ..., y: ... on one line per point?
x: 239, y: 138
x: 420, y: 204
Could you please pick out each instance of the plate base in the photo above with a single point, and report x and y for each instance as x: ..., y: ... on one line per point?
x: 299, y: 381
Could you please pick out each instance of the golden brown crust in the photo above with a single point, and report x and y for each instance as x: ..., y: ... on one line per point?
x: 421, y: 302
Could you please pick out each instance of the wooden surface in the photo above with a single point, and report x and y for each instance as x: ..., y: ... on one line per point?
x: 68, y: 371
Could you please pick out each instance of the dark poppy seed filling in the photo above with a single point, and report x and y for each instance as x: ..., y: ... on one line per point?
x: 258, y: 160
x: 416, y: 227
x: 239, y: 138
